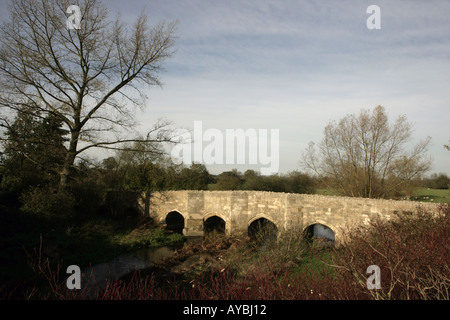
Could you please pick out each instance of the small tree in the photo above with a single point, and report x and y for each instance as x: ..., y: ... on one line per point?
x: 141, y: 166
x: 229, y: 180
x: 366, y: 156
x: 297, y: 182
x: 196, y: 177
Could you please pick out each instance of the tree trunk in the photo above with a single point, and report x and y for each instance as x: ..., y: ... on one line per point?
x: 147, y: 203
x: 69, y: 160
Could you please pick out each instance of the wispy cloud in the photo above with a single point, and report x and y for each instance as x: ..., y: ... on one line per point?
x: 296, y: 65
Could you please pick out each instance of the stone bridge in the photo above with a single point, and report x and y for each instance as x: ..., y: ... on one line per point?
x: 195, y: 213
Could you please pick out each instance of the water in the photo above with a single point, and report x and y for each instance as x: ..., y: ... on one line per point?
x: 98, y: 275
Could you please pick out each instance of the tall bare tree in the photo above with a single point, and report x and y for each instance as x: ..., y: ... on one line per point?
x: 366, y: 156
x: 92, y: 77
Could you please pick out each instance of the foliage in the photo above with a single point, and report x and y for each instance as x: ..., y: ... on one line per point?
x: 229, y: 180
x: 48, y: 202
x: 436, y: 181
x: 293, y: 182
x: 149, y: 170
x: 196, y: 177
x: 33, y: 151
x: 157, y: 238
x: 88, y: 189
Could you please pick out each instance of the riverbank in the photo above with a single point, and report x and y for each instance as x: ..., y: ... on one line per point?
x: 29, y: 243
x: 222, y: 267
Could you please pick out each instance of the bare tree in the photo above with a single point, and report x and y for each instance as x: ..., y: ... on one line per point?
x: 91, y: 78
x: 365, y: 156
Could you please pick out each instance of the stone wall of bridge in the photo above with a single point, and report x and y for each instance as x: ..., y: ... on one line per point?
x: 238, y: 209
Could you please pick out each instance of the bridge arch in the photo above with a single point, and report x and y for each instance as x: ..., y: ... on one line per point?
x: 319, y: 229
x: 260, y: 216
x: 214, y: 223
x: 175, y: 221
x: 262, y: 228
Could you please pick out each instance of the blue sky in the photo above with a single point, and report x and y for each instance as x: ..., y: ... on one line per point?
x: 297, y: 65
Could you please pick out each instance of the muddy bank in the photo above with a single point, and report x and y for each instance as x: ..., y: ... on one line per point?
x: 194, y: 255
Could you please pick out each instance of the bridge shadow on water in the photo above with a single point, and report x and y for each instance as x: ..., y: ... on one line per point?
x: 95, y: 278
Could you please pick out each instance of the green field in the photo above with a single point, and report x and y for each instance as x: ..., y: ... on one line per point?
x: 420, y: 194
x: 431, y: 195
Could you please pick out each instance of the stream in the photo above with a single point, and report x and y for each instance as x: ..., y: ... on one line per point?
x: 96, y: 276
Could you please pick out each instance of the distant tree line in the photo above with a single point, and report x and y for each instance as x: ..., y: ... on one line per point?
x: 292, y: 182
x: 435, y: 181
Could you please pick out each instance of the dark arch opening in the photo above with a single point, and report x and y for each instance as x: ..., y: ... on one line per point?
x: 175, y: 222
x: 319, y: 231
x: 263, y: 230
x: 214, y: 224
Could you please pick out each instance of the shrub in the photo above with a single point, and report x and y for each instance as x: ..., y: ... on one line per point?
x: 158, y: 238
x: 89, y: 194
x: 412, y: 252
x: 47, y: 202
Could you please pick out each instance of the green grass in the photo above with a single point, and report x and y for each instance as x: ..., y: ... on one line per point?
x: 420, y: 194
x: 431, y: 195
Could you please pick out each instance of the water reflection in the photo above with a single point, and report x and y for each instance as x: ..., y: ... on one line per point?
x: 98, y: 275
